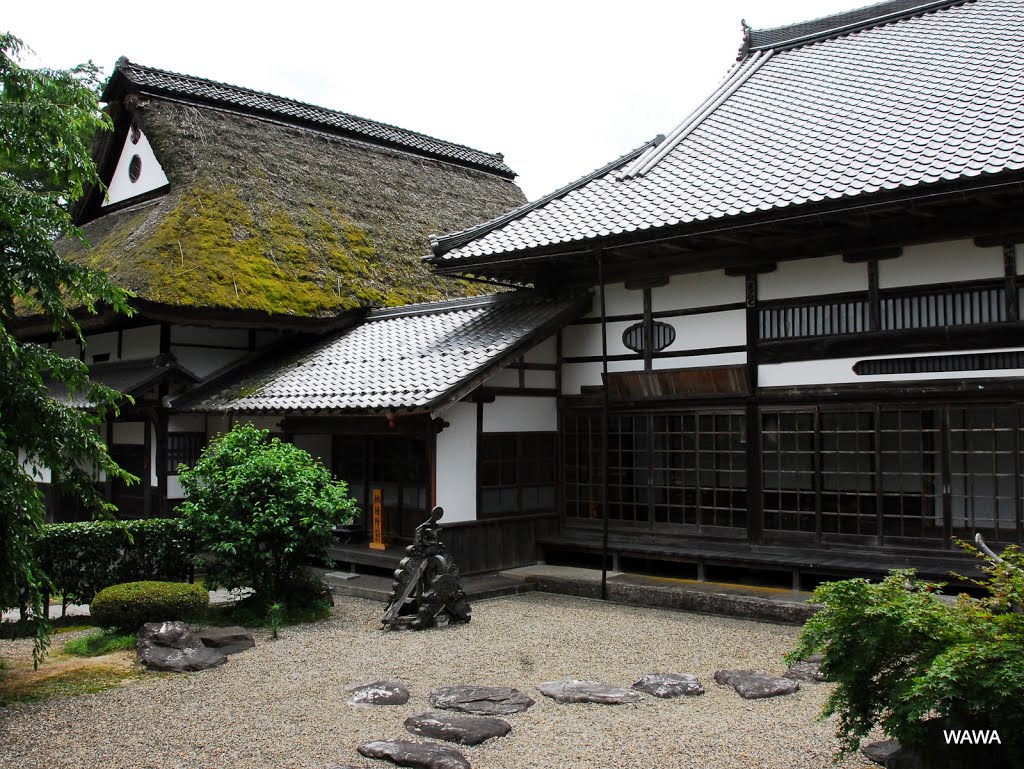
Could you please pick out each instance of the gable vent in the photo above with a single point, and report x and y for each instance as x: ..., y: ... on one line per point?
x: 662, y: 335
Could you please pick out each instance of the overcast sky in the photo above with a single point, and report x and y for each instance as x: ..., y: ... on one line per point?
x: 559, y: 87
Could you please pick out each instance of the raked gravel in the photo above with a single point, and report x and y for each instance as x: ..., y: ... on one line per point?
x: 283, y: 703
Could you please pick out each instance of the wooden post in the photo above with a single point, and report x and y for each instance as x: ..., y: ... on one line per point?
x: 378, y: 523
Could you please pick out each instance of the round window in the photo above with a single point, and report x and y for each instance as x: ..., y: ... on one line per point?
x: 135, y: 168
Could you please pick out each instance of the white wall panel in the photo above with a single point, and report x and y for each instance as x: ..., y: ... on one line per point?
x: 514, y: 414
x: 541, y: 379
x: 507, y: 377
x: 812, y: 277
x: 456, y: 464
x: 101, y: 344
x: 67, y: 348
x: 701, y: 289
x: 713, y: 329
x: 543, y: 352
x: 701, y: 361
x: 37, y: 472
x: 947, y: 262
x: 618, y: 300
x: 129, y: 433
x: 186, y: 423
x: 585, y: 339
x: 174, y: 490
x: 139, y: 343
x: 151, y: 174
x: 840, y: 371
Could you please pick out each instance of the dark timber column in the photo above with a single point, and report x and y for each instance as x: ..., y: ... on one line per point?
x: 755, y: 515
x: 604, y: 428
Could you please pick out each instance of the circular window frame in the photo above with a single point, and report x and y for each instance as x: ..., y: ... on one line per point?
x: 134, y: 169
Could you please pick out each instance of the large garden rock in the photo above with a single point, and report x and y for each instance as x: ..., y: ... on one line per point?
x: 755, y: 685
x: 465, y: 730
x: 227, y: 640
x: 879, y: 752
x: 482, y: 700
x: 171, y: 646
x: 571, y: 690
x: 669, y: 685
x: 387, y: 692
x: 420, y: 755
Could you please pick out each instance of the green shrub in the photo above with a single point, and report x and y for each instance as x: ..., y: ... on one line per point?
x: 129, y: 606
x: 900, y: 654
x: 80, y: 559
x: 261, y: 510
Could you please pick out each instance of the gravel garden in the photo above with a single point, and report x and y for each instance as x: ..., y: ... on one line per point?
x: 285, y: 704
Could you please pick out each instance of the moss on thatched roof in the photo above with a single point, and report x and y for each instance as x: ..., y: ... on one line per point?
x: 262, y: 215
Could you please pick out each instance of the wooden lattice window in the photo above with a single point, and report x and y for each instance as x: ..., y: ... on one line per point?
x: 517, y: 473
x: 183, y: 449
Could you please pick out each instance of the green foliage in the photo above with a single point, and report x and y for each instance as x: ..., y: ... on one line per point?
x: 45, y: 164
x: 262, y: 510
x: 275, y: 618
x: 129, y: 606
x: 254, y: 613
x: 80, y: 559
x: 99, y: 643
x: 900, y: 654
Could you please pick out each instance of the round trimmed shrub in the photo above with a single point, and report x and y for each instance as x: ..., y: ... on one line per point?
x: 130, y: 605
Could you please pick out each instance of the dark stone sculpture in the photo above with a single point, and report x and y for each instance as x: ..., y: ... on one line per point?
x: 171, y: 646
x: 426, y: 582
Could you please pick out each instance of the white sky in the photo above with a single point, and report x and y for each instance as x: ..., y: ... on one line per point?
x: 560, y: 87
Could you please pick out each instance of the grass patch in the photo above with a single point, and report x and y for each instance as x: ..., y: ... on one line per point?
x: 99, y: 643
x: 62, y: 682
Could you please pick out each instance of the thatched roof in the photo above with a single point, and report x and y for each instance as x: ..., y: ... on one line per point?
x: 279, y: 210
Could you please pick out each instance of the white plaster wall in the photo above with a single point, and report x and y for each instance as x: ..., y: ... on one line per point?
x: 701, y: 289
x: 152, y: 455
x: 578, y: 375
x: 947, y: 262
x: 36, y: 471
x: 174, y: 490
x: 585, y: 339
x: 226, y: 337
x: 507, y: 377
x: 514, y: 414
x: 129, y: 433
x: 713, y: 329
x: 186, y: 423
x: 318, y: 446
x: 544, y: 379
x: 618, y: 300
x: 142, y: 342
x: 456, y: 464
x: 840, y: 371
x: 544, y: 352
x: 216, y: 424
x: 202, y: 361
x: 812, y: 277
x: 700, y: 361
x: 67, y: 348
x: 100, y: 344
x: 151, y: 177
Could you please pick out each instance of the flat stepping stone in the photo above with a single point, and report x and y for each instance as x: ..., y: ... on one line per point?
x: 465, y: 730
x: 227, y: 640
x: 420, y: 755
x: 571, y: 690
x: 669, y: 685
x: 385, y: 692
x: 755, y: 685
x: 481, y: 700
x: 879, y: 752
x: 805, y: 670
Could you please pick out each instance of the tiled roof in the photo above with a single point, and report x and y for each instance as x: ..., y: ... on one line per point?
x: 158, y: 81
x: 936, y: 97
x: 406, y: 358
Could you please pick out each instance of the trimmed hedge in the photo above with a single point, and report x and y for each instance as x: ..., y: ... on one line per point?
x: 83, y: 558
x: 129, y: 606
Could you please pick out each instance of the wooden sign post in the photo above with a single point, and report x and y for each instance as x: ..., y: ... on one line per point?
x: 378, y: 523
